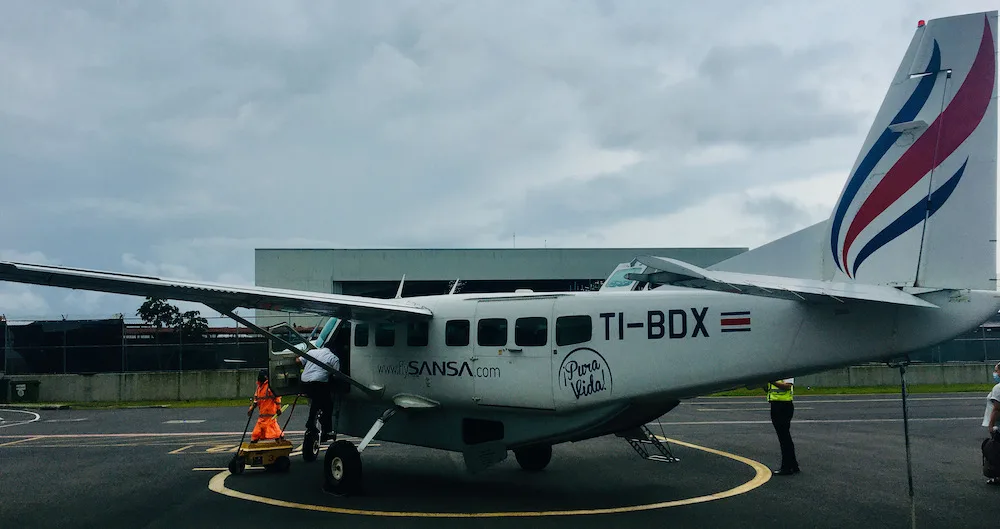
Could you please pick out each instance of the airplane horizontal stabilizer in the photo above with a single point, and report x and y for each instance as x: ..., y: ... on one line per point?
x: 216, y: 295
x: 666, y: 271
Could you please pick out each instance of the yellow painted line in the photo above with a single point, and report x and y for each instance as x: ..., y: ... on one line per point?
x: 179, y: 450
x: 211, y: 469
x: 762, y: 475
x: 12, y: 443
x: 748, y: 409
x: 222, y: 448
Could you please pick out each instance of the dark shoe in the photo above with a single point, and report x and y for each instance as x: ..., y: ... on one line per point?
x: 785, y: 471
x: 993, y: 481
x: 326, y: 437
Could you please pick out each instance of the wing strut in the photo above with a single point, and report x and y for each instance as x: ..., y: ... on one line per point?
x: 374, y: 392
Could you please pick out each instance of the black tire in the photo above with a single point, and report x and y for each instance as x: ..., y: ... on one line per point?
x: 282, y: 464
x: 310, y: 447
x: 342, y: 469
x: 534, y: 458
x: 237, y: 465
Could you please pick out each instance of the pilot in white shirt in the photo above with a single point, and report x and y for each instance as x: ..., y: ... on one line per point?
x: 316, y: 384
x: 315, y: 373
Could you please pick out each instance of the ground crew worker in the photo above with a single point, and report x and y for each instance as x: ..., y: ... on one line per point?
x: 316, y: 384
x: 780, y: 394
x: 270, y: 407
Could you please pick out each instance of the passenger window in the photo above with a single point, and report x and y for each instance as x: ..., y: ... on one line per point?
x: 456, y: 333
x: 416, y: 334
x: 361, y: 335
x: 531, y: 332
x: 573, y: 330
x: 492, y: 332
x: 385, y: 335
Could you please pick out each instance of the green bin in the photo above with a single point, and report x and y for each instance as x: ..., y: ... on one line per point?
x: 22, y: 391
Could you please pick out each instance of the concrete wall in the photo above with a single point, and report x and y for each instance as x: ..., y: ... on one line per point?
x: 117, y: 387
x: 238, y: 384
x: 876, y: 375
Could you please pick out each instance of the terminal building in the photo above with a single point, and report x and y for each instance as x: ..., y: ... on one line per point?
x: 378, y: 272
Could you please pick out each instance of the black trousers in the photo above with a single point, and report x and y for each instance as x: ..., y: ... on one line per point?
x: 781, y: 418
x: 320, y: 398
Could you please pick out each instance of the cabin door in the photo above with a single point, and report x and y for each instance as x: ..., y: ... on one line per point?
x: 512, y: 353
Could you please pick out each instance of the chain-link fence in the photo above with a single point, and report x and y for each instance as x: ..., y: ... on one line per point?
x: 979, y: 345
x: 121, y: 345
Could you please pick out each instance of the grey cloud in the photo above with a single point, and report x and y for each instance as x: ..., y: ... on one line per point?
x: 779, y: 215
x: 149, y: 128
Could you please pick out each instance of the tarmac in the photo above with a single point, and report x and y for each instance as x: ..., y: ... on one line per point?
x: 166, y: 468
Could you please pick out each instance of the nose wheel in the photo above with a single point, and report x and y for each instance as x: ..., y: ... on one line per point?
x: 310, y: 446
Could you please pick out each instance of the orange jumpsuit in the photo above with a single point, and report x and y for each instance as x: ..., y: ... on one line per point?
x: 267, y: 422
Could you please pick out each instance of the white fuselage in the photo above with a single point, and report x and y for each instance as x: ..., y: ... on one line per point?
x: 569, y: 351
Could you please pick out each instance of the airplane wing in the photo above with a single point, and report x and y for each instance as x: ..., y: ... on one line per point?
x: 216, y: 295
x: 666, y: 271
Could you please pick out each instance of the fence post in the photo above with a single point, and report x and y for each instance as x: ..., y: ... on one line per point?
x: 986, y: 354
x: 123, y: 344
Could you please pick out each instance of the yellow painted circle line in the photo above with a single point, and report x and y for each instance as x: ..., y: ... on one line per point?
x: 761, y: 476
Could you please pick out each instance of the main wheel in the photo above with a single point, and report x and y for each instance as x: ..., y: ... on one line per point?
x: 237, y: 464
x: 310, y: 446
x: 342, y: 468
x: 533, y: 458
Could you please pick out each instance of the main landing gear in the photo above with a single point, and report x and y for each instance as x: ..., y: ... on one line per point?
x: 533, y: 458
x: 342, y: 464
x: 342, y: 468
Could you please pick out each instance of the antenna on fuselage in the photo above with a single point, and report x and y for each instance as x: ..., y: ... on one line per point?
x: 399, y: 291
x: 454, y: 287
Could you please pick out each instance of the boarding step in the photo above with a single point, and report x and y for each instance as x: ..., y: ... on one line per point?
x: 640, y: 436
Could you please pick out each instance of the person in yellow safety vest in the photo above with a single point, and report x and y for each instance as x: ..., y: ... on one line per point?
x: 270, y: 407
x: 780, y: 394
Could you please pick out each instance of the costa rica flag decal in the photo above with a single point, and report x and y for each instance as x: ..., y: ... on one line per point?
x: 736, y: 321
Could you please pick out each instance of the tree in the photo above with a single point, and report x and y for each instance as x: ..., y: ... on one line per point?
x: 192, y: 324
x: 160, y: 314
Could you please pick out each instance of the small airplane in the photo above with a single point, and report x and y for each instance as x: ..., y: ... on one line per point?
x: 906, y: 260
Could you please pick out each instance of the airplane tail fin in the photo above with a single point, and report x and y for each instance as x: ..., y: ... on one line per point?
x: 919, y: 207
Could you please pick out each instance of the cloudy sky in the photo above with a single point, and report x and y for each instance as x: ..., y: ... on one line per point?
x: 174, y: 137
